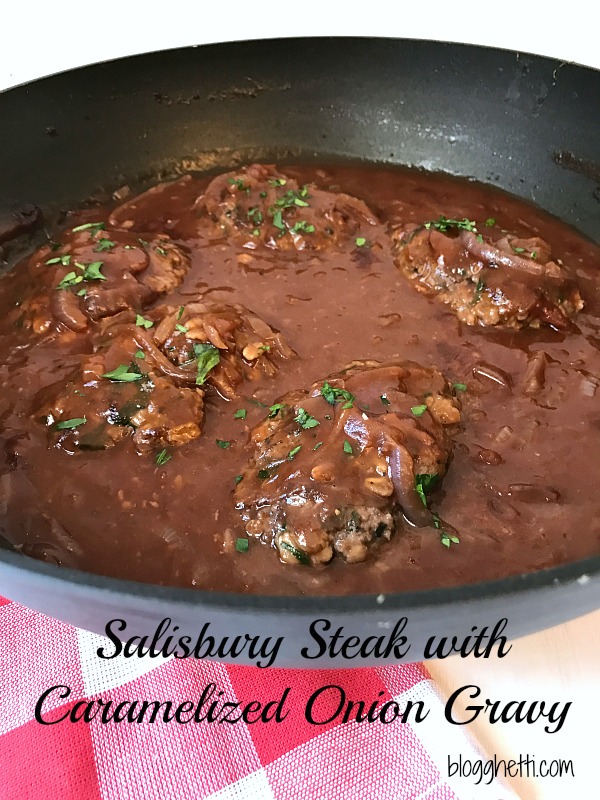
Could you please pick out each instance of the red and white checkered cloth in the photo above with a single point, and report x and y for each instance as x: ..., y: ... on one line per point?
x: 290, y: 760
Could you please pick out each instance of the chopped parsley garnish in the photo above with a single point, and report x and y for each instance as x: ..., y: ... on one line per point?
x: 384, y: 400
x: 161, y: 251
x: 490, y: 222
x: 64, y: 260
x: 255, y: 215
x: 238, y: 479
x: 294, y: 452
x: 418, y: 411
x: 446, y: 538
x: 263, y: 474
x: 262, y: 194
x: 304, y: 419
x: 302, y: 226
x: 444, y: 224
x: 181, y: 328
x: 92, y: 227
x: 264, y: 348
x: 68, y: 424
x: 277, y: 181
x: 460, y: 387
x: 124, y: 374
x: 293, y: 197
x: 82, y: 293
x: 239, y: 184
x: 91, y: 272
x: 298, y: 554
x: 240, y: 413
x: 276, y: 409
x: 208, y: 357
x: 318, y: 444
x: 142, y: 322
x: 533, y: 255
x: 223, y: 443
x: 278, y: 220
x: 140, y: 354
x: 103, y: 245
x: 143, y: 242
x: 180, y: 311
x: 519, y: 249
x: 70, y: 279
x: 163, y: 457
x: 334, y: 395
x: 360, y: 241
x: 348, y: 448
x: 423, y: 484
x: 241, y: 545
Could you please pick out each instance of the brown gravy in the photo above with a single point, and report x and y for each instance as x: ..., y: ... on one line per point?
x: 522, y: 486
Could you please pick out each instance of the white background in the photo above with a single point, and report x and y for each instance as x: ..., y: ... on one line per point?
x: 40, y: 38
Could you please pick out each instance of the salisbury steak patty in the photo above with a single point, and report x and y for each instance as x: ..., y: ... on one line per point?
x: 91, y: 273
x: 335, y: 469
x: 496, y: 279
x: 260, y: 206
x: 121, y: 392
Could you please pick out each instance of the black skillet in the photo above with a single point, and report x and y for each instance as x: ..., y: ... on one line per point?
x: 526, y: 124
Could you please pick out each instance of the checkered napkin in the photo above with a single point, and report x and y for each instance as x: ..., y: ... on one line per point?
x: 290, y: 760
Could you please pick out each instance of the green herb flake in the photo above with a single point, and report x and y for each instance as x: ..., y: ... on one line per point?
x: 490, y: 222
x: 208, y: 358
x: 123, y: 374
x: 318, y: 444
x: 163, y: 457
x: 91, y: 272
x: 238, y: 479
x: 294, y: 452
x: 241, y: 545
x: 263, y: 474
x: 264, y: 348
x: 92, y: 227
x: 180, y: 312
x: 444, y: 224
x: 142, y: 322
x: 104, y: 245
x: 223, y: 443
x: 275, y: 409
x: 519, y: 249
x: 384, y: 400
x: 304, y: 419
x: 68, y: 424
x: 277, y: 181
x: 181, y: 328
x: 302, y: 226
x: 418, y: 411
x: 460, y: 387
x: 298, y: 554
x: 82, y: 293
x: 140, y: 354
x: 348, y: 448
x: 240, y: 413
x: 334, y: 395
x: 70, y: 279
x: 360, y: 241
x: 278, y: 220
x: 423, y: 484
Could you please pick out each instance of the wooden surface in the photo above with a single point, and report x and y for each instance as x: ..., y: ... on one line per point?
x: 557, y: 665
